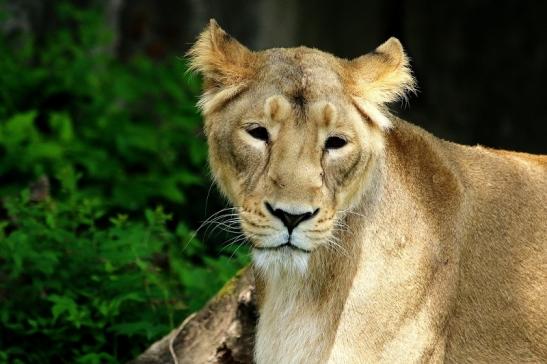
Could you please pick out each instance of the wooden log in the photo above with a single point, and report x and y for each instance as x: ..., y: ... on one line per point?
x: 221, y: 333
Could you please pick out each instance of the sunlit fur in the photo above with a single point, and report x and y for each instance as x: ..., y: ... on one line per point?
x: 421, y: 250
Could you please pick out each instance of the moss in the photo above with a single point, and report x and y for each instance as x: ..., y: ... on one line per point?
x: 229, y: 288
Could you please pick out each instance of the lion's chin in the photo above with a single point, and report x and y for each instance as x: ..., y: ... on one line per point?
x: 283, y: 259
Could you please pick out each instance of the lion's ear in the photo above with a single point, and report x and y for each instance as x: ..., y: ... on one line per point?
x: 221, y: 59
x: 380, y: 77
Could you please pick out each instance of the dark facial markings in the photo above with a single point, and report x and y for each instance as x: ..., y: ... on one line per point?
x: 319, y: 231
x: 343, y: 178
x: 225, y: 102
x: 238, y: 162
x: 365, y: 117
x: 259, y: 226
x: 282, y: 246
x: 298, y: 99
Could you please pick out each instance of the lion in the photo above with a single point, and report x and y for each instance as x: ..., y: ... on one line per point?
x: 372, y: 240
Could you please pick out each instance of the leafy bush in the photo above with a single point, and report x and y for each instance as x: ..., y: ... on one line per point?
x: 130, y: 128
x: 73, y: 289
x: 92, y: 268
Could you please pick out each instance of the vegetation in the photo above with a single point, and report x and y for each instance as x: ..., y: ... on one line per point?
x: 102, y: 178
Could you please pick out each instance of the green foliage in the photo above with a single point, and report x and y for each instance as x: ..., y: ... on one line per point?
x: 94, y: 271
x: 73, y: 289
x: 130, y: 128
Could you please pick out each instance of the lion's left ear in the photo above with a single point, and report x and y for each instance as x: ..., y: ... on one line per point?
x: 380, y: 77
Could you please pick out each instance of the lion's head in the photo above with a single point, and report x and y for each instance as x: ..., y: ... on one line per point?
x: 294, y: 135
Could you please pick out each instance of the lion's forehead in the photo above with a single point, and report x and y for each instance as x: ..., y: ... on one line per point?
x: 303, y: 75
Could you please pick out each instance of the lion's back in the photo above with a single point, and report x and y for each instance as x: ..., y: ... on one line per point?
x: 500, y: 313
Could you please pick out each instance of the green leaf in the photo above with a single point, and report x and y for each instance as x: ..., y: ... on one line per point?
x: 62, y: 124
x: 63, y: 305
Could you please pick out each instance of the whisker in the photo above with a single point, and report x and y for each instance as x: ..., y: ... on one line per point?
x: 232, y: 241
x: 235, y: 251
x: 336, y: 247
x: 350, y: 211
x: 207, y: 198
x: 223, y: 213
x: 229, y: 227
x: 343, y: 229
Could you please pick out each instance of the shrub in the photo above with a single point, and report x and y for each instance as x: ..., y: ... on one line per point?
x: 97, y: 258
x: 131, y: 129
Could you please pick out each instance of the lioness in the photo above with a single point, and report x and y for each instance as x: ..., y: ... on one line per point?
x: 372, y: 240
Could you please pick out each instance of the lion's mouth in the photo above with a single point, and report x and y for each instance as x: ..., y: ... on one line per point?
x: 287, y: 245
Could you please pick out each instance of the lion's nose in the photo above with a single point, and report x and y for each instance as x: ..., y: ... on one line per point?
x: 290, y: 220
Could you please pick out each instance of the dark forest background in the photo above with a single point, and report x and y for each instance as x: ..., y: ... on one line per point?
x: 103, y: 177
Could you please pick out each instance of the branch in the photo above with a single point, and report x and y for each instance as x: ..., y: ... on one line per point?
x: 221, y: 333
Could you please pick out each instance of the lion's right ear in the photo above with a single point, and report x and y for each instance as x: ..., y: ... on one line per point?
x: 225, y: 64
x: 221, y: 59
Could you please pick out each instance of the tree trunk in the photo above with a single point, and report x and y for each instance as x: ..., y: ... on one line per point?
x: 221, y: 333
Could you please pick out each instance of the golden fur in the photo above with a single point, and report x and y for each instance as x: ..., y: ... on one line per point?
x: 421, y: 250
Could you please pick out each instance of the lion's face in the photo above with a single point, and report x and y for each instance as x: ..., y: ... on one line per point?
x: 290, y: 165
x: 290, y: 145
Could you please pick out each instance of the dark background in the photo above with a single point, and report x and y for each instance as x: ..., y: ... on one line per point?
x: 480, y: 65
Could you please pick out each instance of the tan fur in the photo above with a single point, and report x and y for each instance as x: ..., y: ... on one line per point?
x: 422, y: 251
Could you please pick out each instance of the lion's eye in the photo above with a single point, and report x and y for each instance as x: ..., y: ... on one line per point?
x: 335, y: 143
x: 259, y: 132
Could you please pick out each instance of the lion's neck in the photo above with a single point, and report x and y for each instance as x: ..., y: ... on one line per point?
x: 301, y: 312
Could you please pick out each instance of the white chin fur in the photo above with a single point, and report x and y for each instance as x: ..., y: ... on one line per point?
x: 273, y: 263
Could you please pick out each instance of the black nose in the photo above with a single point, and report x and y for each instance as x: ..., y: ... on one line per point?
x: 290, y: 220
